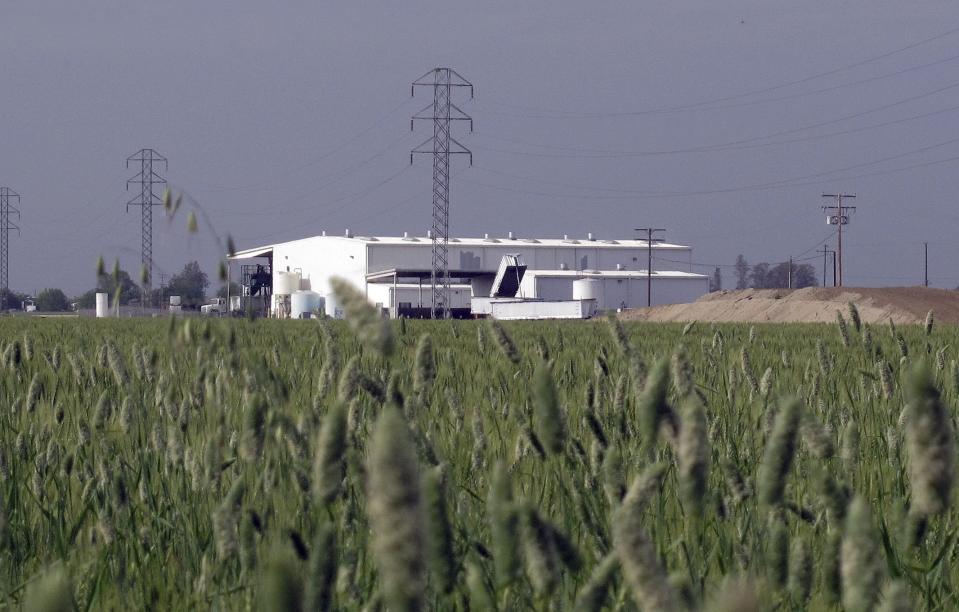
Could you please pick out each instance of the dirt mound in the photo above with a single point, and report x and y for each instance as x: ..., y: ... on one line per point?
x: 810, y: 305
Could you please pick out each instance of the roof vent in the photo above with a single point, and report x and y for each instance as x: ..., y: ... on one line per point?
x: 589, y: 236
x: 324, y: 233
x: 348, y: 233
x: 510, y: 236
x: 429, y: 234
x: 619, y: 266
x: 563, y: 266
x: 406, y: 234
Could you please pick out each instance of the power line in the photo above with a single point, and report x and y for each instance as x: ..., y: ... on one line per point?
x: 735, y: 144
x: 347, y: 200
x: 313, y: 162
x: 695, y: 106
x: 780, y: 184
x: 717, y: 265
x: 713, y: 148
x: 336, y: 177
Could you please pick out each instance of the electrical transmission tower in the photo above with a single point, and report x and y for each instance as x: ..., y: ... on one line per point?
x: 840, y: 218
x: 6, y: 209
x: 441, y: 112
x: 146, y: 200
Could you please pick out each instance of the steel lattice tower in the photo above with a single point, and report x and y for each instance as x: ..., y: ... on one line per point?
x: 6, y: 209
x: 146, y: 200
x: 441, y: 112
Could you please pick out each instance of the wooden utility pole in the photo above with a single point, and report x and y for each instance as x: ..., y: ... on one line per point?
x: 926, y: 251
x: 649, y: 259
x: 825, y: 252
x: 840, y: 219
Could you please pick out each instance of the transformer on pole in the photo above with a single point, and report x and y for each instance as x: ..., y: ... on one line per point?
x: 6, y: 210
x: 441, y: 112
x: 146, y: 200
x: 840, y: 218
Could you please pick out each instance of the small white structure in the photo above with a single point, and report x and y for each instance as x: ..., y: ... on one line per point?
x: 518, y: 309
x: 614, y: 289
x: 395, y: 272
x: 103, y: 305
x: 305, y: 302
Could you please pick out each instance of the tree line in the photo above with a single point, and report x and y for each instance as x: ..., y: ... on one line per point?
x: 766, y: 276
x: 190, y: 284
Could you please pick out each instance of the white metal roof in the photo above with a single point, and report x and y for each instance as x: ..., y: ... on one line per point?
x: 638, y: 274
x: 254, y: 252
x: 572, y: 242
x: 522, y: 242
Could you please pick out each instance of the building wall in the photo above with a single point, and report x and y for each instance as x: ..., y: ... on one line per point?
x: 382, y: 295
x: 321, y: 258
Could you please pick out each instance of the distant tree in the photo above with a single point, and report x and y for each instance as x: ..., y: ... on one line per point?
x: 14, y: 300
x: 777, y: 277
x: 87, y: 299
x: 234, y: 290
x: 716, y: 280
x: 742, y: 272
x: 129, y: 291
x: 190, y: 284
x: 804, y: 276
x: 757, y: 277
x: 52, y: 300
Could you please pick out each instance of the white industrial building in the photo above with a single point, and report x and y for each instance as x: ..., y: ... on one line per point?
x: 395, y: 272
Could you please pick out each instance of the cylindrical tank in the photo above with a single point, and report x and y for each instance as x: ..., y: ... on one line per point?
x: 332, y: 305
x: 103, y: 305
x: 286, y: 283
x: 304, y: 302
x: 587, y: 289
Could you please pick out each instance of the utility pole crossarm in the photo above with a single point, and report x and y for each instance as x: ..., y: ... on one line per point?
x: 840, y: 219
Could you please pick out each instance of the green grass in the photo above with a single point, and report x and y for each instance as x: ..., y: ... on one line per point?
x: 171, y: 465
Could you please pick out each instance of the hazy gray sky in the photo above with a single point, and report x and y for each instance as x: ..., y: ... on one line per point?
x: 287, y: 118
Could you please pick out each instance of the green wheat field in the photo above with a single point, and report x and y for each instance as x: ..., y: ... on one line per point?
x: 405, y: 465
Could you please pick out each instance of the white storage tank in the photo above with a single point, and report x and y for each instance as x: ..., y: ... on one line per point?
x: 286, y: 283
x: 304, y: 302
x: 103, y: 305
x: 588, y: 289
x: 332, y: 305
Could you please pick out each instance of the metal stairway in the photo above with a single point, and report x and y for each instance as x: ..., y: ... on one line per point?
x: 508, y: 277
